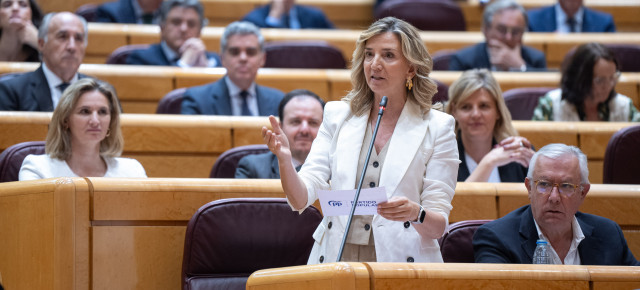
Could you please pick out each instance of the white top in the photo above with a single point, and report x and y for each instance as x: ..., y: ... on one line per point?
x: 619, y: 108
x: 43, y: 166
x: 421, y: 164
x: 54, y: 81
x: 494, y: 177
x: 573, y: 257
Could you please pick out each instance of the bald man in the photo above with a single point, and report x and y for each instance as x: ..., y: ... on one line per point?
x: 62, y: 40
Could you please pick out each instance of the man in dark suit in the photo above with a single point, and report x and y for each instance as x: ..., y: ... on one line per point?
x: 557, y: 182
x: 504, y: 23
x: 285, y: 14
x: 62, y: 40
x: 236, y: 93
x: 180, y: 24
x: 129, y: 11
x: 300, y: 113
x: 569, y: 16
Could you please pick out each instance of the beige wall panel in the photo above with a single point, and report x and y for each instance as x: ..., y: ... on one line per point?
x: 473, y: 201
x: 248, y: 131
x: 142, y: 107
x: 596, y: 171
x: 614, y: 277
x: 593, y: 138
x: 334, y: 276
x: 27, y: 244
x: 131, y: 257
x: 177, y: 166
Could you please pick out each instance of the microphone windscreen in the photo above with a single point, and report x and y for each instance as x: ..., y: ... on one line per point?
x: 383, y: 103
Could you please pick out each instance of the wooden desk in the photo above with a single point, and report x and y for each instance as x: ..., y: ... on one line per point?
x: 105, y: 38
x: 119, y: 233
x: 382, y: 276
x: 187, y: 146
x: 358, y: 14
x: 140, y: 88
x: 77, y: 233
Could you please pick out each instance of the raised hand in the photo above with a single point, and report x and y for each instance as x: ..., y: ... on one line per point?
x: 276, y: 140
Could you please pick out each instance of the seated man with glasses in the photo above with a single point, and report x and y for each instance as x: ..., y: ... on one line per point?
x: 503, y: 25
x: 557, y: 182
x: 587, y: 90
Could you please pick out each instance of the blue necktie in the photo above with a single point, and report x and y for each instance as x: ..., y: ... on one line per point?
x: 147, y: 18
x: 63, y: 86
x: 245, y: 105
x: 572, y: 24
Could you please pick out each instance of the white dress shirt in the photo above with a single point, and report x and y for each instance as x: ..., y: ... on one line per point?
x: 573, y: 257
x: 54, y: 81
x: 561, y: 20
x: 236, y: 99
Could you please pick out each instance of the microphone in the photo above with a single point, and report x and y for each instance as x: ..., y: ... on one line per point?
x: 383, y: 106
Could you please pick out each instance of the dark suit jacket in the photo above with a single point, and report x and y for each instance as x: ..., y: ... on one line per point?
x: 27, y: 92
x: 309, y: 17
x: 214, y: 99
x: 263, y: 165
x: 120, y: 11
x: 512, y: 239
x: 155, y: 56
x: 544, y: 20
x: 512, y: 172
x: 476, y: 56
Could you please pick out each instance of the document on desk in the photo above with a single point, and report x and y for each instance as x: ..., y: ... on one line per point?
x: 339, y: 202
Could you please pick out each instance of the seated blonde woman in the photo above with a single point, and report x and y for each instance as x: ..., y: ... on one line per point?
x: 84, y: 137
x: 489, y: 147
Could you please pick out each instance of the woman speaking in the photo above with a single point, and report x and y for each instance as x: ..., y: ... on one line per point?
x: 415, y: 157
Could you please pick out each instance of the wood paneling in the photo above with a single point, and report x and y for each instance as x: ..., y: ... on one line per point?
x: 125, y: 233
x: 141, y: 88
x: 445, y: 276
x: 358, y: 14
x: 108, y: 37
x: 187, y: 146
x: 129, y: 257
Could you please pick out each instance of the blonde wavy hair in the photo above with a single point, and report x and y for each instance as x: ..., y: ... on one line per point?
x: 471, y: 81
x: 58, y: 142
x: 360, y: 98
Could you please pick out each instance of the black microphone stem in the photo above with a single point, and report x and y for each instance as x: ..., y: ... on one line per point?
x: 383, y: 105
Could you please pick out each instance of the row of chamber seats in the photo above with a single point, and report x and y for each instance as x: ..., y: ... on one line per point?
x: 521, y: 101
x: 171, y: 103
x: 145, y: 232
x: 295, y: 54
x: 622, y: 147
x: 252, y: 242
x: 279, y: 54
x: 435, y: 15
x: 426, y: 14
x: 626, y: 54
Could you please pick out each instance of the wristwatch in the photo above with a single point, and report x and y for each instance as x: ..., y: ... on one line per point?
x: 421, y: 215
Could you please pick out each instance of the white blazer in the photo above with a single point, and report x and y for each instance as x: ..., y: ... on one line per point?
x: 421, y: 164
